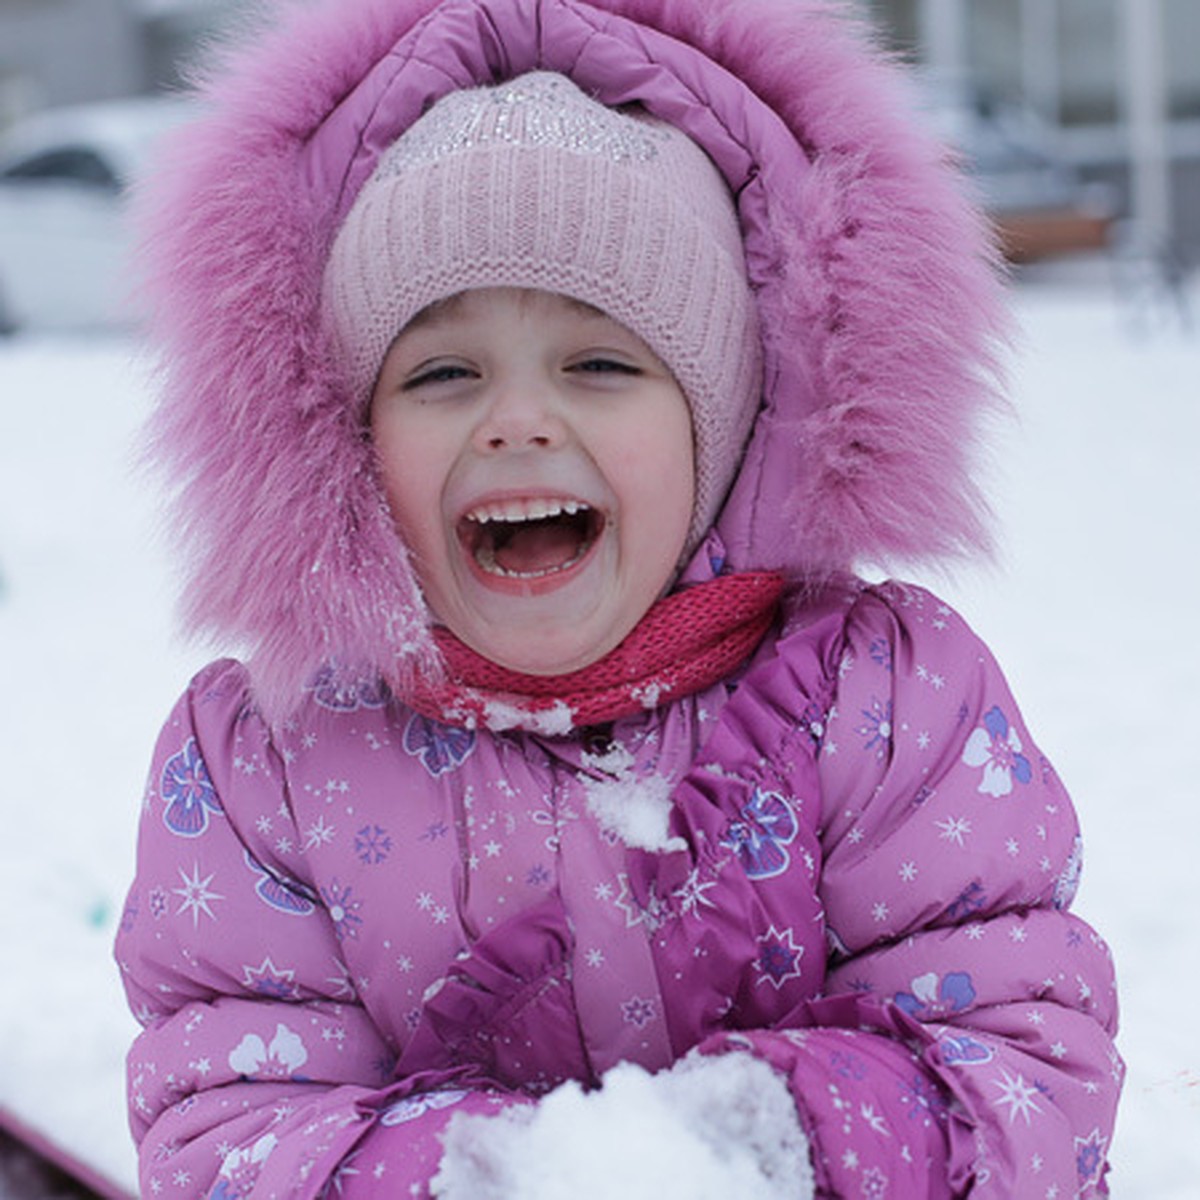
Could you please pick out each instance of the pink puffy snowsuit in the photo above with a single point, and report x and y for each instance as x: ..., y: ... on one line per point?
x: 351, y: 921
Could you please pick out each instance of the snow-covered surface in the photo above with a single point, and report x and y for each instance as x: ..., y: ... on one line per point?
x: 1091, y: 611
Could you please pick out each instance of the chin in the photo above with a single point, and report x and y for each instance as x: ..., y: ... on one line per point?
x: 543, y: 662
x: 541, y: 653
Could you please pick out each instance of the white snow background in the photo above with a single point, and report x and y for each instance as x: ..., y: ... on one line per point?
x: 1092, y: 611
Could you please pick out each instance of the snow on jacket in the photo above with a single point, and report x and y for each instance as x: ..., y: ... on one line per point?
x: 349, y: 921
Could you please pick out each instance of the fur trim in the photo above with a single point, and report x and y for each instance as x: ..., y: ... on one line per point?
x: 876, y: 283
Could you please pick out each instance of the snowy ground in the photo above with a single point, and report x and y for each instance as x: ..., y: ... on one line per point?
x: 1092, y: 611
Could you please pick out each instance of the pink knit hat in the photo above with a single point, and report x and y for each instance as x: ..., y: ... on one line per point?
x: 532, y: 184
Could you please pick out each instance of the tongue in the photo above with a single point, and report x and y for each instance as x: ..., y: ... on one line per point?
x: 537, y: 546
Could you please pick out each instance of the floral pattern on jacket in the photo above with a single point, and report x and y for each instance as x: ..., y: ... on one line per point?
x: 345, y: 931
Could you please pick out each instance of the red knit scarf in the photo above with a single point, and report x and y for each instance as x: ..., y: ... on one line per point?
x: 685, y: 642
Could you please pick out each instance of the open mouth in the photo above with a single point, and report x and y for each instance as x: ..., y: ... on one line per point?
x: 529, y: 539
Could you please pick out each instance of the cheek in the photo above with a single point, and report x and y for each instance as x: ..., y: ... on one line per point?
x: 658, y: 491
x: 412, y: 483
x: 668, y: 469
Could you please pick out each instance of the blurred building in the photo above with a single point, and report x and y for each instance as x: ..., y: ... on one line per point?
x: 1109, y: 89
x: 55, y: 52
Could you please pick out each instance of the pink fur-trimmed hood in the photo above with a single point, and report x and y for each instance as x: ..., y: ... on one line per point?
x: 879, y: 304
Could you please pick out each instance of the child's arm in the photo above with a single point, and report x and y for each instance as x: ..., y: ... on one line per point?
x: 966, y: 1038
x: 258, y: 1071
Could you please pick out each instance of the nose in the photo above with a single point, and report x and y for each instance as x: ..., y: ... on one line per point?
x: 520, y: 416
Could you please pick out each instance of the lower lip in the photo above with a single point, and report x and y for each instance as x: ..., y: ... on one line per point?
x: 532, y: 585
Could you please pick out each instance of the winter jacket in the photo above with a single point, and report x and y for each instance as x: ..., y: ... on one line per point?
x: 350, y: 921
x: 865, y: 880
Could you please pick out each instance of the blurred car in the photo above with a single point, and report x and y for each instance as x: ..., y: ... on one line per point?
x: 64, y: 180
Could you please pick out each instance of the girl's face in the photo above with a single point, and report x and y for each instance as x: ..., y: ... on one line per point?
x: 537, y: 458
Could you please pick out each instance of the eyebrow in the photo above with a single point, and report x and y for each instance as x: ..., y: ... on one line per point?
x: 439, y: 310
x: 448, y: 306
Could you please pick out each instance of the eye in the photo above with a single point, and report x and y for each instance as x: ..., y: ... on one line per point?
x: 602, y: 365
x: 431, y: 374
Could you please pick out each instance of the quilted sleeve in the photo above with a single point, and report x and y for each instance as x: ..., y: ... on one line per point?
x: 964, y: 1043
x: 258, y: 1072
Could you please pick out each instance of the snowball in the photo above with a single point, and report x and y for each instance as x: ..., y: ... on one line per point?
x: 708, y: 1129
x: 638, y: 811
x: 634, y: 808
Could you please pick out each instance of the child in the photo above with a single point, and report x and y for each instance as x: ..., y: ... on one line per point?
x: 535, y: 375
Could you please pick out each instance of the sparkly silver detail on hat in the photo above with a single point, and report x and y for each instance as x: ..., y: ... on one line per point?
x: 539, y: 109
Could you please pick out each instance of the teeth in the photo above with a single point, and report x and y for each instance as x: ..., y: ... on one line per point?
x: 485, y: 556
x: 512, y: 511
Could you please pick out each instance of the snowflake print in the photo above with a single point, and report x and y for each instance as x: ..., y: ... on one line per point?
x: 159, y: 903
x: 318, y: 834
x: 639, y: 1012
x: 439, y: 747
x: 767, y: 826
x: 875, y: 1120
x: 922, y: 1100
x: 874, y: 1183
x: 186, y: 787
x: 1018, y: 1095
x: 778, y: 958
x: 954, y: 829
x: 372, y: 844
x: 341, y: 983
x: 343, y: 1173
x: 996, y: 747
x: 538, y: 876
x: 847, y: 1065
x: 970, y: 900
x: 196, y: 895
x: 691, y: 894
x: 877, y: 728
x: 342, y: 909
